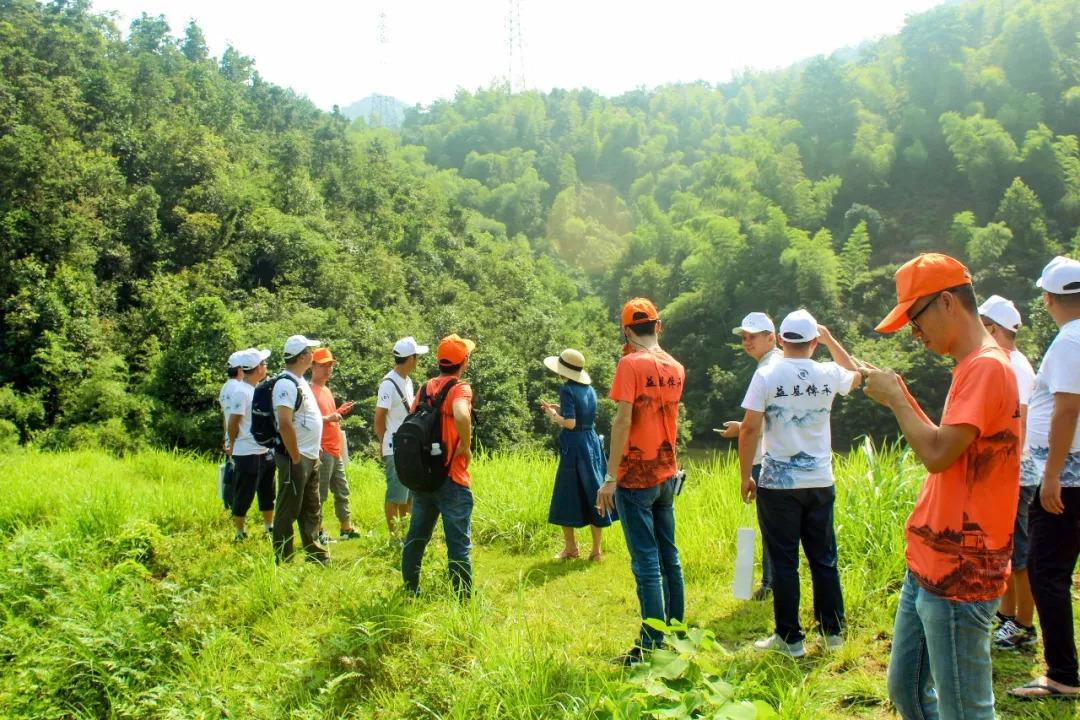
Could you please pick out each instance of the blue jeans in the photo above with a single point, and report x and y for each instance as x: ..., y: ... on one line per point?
x: 455, y: 503
x: 648, y: 522
x: 788, y: 518
x: 940, y: 661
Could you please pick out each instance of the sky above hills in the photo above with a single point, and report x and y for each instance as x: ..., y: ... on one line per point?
x: 329, y: 50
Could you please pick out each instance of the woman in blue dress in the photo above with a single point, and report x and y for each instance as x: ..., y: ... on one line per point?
x: 581, y: 455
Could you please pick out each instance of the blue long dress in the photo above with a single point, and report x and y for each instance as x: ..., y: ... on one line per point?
x: 581, y: 462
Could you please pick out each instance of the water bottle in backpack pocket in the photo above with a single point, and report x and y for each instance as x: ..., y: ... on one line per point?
x: 419, y: 457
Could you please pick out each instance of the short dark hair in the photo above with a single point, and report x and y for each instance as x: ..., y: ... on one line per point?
x: 1008, y: 332
x: 449, y: 369
x: 290, y: 359
x: 966, y: 295
x: 643, y: 329
x: 1069, y: 300
x: 402, y: 359
x: 234, y: 372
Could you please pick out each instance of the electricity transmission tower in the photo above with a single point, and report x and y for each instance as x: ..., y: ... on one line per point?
x: 515, y: 77
x: 381, y: 109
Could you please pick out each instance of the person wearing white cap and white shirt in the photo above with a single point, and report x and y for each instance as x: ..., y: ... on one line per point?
x: 1053, y: 443
x: 393, y: 402
x: 1016, y: 627
x: 253, y: 465
x: 792, y: 398
x: 236, y: 378
x: 299, y: 422
x: 758, y: 336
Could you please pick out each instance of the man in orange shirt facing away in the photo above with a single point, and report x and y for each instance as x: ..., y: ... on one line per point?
x: 332, y: 452
x: 959, y: 535
x: 641, y: 477
x: 453, y: 499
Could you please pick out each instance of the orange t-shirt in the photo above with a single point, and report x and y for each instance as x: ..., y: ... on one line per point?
x: 459, y: 468
x: 331, y: 431
x: 960, y: 533
x: 653, y: 382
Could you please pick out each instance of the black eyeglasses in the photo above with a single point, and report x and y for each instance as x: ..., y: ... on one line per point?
x: 914, y: 318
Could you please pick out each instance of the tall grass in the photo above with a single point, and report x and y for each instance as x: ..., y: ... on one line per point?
x: 124, y: 597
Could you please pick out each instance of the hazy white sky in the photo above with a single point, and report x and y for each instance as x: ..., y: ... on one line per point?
x: 328, y: 50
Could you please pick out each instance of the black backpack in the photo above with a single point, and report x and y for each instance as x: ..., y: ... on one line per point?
x: 263, y: 427
x: 416, y: 467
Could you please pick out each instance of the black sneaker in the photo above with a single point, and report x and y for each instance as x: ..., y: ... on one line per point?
x: 762, y: 593
x: 630, y: 658
x: 241, y: 536
x: 1013, y: 636
x: 353, y: 534
x: 1000, y: 620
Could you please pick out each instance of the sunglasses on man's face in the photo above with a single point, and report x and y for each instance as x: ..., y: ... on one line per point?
x: 913, y: 319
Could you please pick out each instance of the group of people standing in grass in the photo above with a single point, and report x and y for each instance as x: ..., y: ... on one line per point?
x: 994, y: 534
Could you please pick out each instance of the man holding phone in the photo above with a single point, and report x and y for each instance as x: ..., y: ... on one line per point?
x: 758, y: 335
x: 332, y: 456
x: 960, y: 532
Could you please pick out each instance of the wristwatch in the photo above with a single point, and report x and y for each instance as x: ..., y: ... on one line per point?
x: 608, y: 479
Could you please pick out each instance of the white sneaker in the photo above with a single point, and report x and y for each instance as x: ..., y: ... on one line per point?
x: 775, y: 643
x: 833, y: 642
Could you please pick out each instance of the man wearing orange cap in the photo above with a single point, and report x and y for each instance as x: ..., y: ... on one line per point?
x: 642, y: 472
x: 332, y: 451
x: 959, y: 535
x: 453, y: 500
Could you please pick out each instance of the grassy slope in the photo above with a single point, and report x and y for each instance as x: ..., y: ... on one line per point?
x: 124, y: 597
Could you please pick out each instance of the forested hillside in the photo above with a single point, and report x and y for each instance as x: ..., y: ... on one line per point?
x: 160, y: 207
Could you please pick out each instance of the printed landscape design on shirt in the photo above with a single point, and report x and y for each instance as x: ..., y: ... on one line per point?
x: 973, y: 567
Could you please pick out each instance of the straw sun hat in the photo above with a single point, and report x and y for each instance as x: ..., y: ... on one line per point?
x: 570, y: 364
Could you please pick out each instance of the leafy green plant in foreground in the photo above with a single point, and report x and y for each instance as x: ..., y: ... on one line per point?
x: 681, y: 681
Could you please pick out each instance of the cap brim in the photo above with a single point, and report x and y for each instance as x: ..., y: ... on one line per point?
x: 738, y: 330
x: 422, y: 350
x: 896, y: 319
x: 1039, y: 284
x: 263, y: 354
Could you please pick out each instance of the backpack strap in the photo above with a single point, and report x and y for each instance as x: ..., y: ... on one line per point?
x: 399, y: 392
x: 438, y: 401
x: 299, y: 391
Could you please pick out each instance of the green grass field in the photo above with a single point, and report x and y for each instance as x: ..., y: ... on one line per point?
x: 124, y: 597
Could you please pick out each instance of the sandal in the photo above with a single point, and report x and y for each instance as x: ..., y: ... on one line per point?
x: 1042, y: 688
x: 566, y: 555
x: 595, y: 557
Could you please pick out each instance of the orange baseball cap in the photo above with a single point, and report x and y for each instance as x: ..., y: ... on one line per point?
x: 639, y: 310
x: 453, y: 350
x: 925, y: 275
x: 323, y: 356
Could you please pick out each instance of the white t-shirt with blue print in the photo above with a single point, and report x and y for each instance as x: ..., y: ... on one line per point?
x: 1059, y: 372
x: 796, y: 397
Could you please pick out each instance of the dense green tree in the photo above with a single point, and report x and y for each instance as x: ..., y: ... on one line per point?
x: 159, y: 206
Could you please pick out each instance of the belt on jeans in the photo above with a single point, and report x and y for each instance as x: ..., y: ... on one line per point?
x: 582, y: 428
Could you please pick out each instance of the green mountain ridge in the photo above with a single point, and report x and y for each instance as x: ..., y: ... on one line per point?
x: 160, y: 208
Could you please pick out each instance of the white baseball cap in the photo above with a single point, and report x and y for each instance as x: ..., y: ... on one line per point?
x: 252, y: 358
x: 1001, y: 311
x: 234, y: 359
x: 297, y: 344
x: 1061, y: 276
x: 755, y: 322
x: 799, y: 327
x: 407, y: 347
